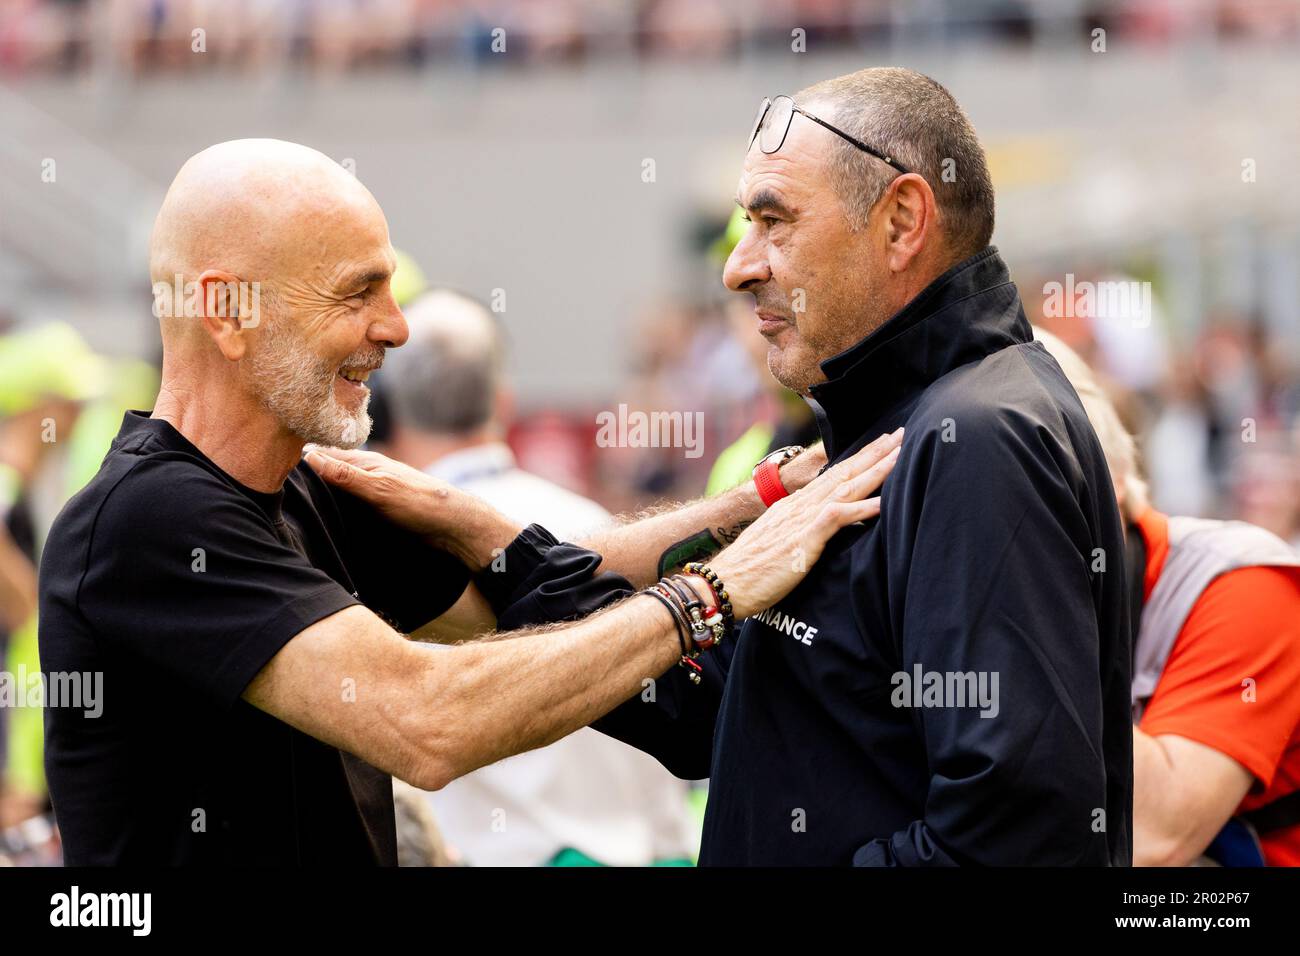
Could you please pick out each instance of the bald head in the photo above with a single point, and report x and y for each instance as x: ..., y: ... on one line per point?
x: 285, y: 265
x: 258, y: 208
x: 445, y: 380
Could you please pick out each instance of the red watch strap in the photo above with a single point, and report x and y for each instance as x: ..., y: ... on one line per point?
x: 767, y: 479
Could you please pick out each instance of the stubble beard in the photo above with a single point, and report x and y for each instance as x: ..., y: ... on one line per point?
x: 298, y: 388
x: 797, y: 366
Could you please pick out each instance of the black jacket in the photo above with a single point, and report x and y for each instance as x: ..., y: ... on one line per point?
x: 847, y: 724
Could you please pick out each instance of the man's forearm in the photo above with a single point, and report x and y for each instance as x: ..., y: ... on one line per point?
x: 479, y: 535
x: 641, y: 550
x: 475, y: 533
x: 492, y: 699
x: 644, y: 550
x: 1154, y: 842
x: 1183, y: 794
x: 428, y: 713
x: 469, y: 618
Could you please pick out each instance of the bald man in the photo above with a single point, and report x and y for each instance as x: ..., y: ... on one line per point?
x: 247, y: 621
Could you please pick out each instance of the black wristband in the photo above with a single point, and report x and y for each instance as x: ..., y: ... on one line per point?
x: 499, y: 581
x: 682, y: 638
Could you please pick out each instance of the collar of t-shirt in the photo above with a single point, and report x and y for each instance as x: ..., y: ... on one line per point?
x: 142, y: 434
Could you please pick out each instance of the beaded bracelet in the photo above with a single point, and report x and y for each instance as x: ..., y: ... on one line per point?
x: 708, y: 626
x: 720, y: 595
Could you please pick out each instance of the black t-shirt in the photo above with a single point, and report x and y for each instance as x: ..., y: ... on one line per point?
x: 177, y: 584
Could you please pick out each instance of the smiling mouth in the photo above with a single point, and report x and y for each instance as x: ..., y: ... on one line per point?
x: 356, y: 376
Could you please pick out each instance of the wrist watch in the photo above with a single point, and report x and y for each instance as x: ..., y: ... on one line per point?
x: 767, y: 474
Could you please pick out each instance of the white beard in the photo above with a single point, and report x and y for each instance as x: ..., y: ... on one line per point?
x: 298, y: 389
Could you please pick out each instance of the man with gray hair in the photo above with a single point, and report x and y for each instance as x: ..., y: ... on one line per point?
x: 964, y: 696
x: 950, y: 682
x: 586, y: 797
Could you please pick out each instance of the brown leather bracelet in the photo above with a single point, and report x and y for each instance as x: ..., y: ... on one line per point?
x: 687, y: 660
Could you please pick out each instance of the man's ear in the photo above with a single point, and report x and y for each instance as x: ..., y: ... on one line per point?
x: 219, y: 311
x: 910, y: 216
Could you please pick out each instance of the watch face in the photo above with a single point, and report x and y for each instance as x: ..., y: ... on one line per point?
x: 780, y: 456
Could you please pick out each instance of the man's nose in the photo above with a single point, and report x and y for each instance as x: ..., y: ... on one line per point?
x: 390, y: 328
x: 747, y: 265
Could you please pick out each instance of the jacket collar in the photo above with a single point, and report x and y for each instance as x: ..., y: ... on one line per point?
x: 969, y: 312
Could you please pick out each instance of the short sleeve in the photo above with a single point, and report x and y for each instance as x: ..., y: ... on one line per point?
x: 187, y: 574
x: 398, y: 574
x: 1245, y: 628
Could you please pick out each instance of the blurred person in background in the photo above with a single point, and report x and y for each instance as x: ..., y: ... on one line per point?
x: 586, y: 799
x: 61, y: 405
x: 1200, y: 399
x: 684, y: 362
x: 48, y: 374
x: 1216, y: 606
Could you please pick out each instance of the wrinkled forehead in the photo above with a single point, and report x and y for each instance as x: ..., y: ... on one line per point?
x: 323, y: 241
x: 796, y: 172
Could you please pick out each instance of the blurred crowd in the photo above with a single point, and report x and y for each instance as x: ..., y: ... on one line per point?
x: 337, y: 35
x: 1216, y: 409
